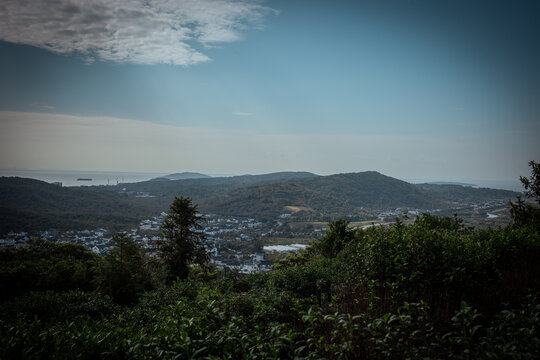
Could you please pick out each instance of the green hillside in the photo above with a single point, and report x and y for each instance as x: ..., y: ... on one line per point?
x: 27, y: 204
x: 372, y: 190
x: 268, y: 201
x: 452, y: 193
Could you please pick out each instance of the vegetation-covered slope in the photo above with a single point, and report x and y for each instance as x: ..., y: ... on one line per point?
x: 372, y: 190
x: 452, y: 193
x: 271, y: 200
x: 27, y: 204
x: 30, y: 204
x: 433, y: 289
x: 341, y: 194
x: 336, y: 195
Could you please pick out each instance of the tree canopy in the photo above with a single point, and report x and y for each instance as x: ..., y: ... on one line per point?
x: 524, y: 213
x: 122, y: 273
x: 182, y: 237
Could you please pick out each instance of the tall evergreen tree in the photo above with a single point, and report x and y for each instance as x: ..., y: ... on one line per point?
x: 182, y: 237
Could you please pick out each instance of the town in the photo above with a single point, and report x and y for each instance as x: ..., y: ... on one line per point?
x: 231, y: 241
x: 248, y: 245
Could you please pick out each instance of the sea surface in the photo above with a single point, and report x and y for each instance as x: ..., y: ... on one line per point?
x: 70, y: 177
x: 512, y: 185
x: 284, y: 248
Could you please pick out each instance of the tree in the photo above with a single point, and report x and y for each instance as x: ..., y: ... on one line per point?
x: 181, y: 242
x: 524, y: 213
x: 532, y: 183
x: 45, y: 265
x: 337, y: 237
x: 122, y: 274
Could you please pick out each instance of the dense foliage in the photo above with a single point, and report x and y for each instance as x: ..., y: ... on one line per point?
x: 43, y: 266
x: 335, y: 195
x: 433, y: 289
x: 182, y: 237
x: 122, y: 274
x: 29, y: 205
x: 523, y: 212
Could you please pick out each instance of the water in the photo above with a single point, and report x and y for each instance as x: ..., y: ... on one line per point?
x: 513, y: 185
x: 69, y: 177
x: 284, y: 248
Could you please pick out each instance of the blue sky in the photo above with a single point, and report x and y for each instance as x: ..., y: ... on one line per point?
x: 414, y: 89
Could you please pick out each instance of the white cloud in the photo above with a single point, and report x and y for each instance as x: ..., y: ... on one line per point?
x: 134, y: 31
x: 41, y: 104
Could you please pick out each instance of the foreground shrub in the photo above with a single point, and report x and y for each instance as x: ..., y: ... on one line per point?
x: 44, y: 265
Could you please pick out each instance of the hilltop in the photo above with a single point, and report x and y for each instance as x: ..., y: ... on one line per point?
x: 184, y: 176
x: 268, y: 195
x: 31, y: 204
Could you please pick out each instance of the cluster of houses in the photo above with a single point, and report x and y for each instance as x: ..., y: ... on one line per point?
x: 253, y: 263
x: 98, y: 240
x: 220, y: 232
x: 390, y: 215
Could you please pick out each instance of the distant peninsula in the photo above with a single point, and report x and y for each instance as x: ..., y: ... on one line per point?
x: 451, y: 183
x: 184, y: 176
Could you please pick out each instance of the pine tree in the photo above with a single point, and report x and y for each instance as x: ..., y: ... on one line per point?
x: 182, y: 238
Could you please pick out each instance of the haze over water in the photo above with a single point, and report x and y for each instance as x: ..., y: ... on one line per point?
x: 69, y: 178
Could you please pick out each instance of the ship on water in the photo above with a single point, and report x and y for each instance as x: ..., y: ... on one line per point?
x: 84, y: 179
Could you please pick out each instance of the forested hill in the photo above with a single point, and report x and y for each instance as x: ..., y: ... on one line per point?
x: 163, y: 186
x: 336, y: 195
x: 27, y: 204
x: 373, y: 190
x: 184, y: 176
x: 449, y: 193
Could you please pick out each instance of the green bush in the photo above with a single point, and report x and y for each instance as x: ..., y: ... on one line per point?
x: 432, y: 289
x: 44, y: 265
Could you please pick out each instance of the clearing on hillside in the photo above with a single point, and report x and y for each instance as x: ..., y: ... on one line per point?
x: 295, y: 209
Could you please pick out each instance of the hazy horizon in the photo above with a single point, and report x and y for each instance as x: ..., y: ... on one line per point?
x: 445, y: 91
x: 54, y: 175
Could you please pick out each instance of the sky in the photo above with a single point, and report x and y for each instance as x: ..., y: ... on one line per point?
x: 441, y: 90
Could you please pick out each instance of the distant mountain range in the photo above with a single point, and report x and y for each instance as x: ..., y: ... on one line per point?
x: 27, y: 204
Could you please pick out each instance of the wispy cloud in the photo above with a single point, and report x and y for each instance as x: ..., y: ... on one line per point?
x: 134, y: 31
x: 240, y: 113
x: 42, y: 105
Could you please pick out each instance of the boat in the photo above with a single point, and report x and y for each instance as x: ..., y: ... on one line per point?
x: 84, y: 179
